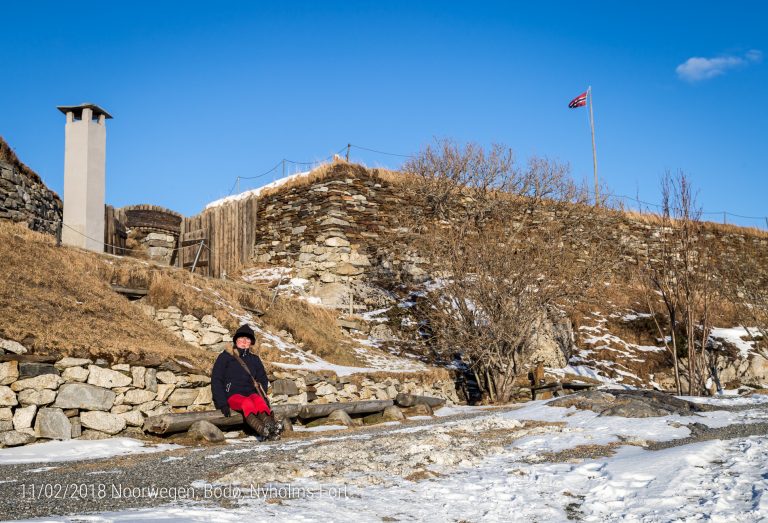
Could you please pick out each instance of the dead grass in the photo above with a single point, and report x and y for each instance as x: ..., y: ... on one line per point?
x: 59, y: 300
x: 55, y: 300
x: 656, y: 220
x: 338, y: 168
x: 315, y: 327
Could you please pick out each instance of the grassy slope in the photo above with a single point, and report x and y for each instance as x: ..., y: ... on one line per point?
x: 58, y: 300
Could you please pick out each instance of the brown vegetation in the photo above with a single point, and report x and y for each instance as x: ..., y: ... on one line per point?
x: 502, y: 240
x: 55, y: 300
x: 59, y: 300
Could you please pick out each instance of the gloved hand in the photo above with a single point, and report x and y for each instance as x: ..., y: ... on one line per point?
x: 225, y: 410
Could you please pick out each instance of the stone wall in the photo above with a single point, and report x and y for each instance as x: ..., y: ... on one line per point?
x: 25, y: 198
x: 89, y: 399
x: 333, y: 229
x: 152, y: 231
x: 339, y: 228
x: 299, y: 385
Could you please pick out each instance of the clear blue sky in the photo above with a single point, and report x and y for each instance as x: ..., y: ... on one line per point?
x: 204, y: 92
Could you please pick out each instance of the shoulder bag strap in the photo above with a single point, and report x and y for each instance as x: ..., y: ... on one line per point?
x: 256, y: 384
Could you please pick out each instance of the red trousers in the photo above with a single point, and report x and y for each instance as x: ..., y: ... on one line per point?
x: 252, y: 404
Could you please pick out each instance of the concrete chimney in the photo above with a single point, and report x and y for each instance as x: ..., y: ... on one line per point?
x: 85, y: 156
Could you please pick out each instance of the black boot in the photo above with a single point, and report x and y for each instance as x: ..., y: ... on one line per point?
x: 256, y: 422
x: 274, y: 428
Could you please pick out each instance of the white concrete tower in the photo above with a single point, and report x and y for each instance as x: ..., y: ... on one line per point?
x: 85, y: 156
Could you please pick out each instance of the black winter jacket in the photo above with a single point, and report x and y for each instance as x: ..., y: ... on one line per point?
x: 228, y: 377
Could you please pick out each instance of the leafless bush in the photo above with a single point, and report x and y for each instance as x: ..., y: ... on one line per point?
x: 680, y: 269
x: 507, y: 245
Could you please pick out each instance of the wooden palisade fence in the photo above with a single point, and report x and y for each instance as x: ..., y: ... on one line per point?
x: 115, y: 233
x: 228, y: 231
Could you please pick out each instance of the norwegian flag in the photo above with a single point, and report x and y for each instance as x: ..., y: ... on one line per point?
x: 579, y: 101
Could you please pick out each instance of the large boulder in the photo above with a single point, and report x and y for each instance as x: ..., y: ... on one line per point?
x: 287, y: 387
x: 52, y: 423
x: 102, y: 421
x: 9, y: 372
x: 65, y: 363
x: 12, y: 346
x: 206, y: 431
x: 30, y: 369
x: 43, y: 381
x: 134, y: 418
x: 391, y: 413
x: 138, y: 396
x: 551, y: 343
x: 7, y: 397
x: 79, y: 374
x: 629, y: 403
x: 14, y: 438
x: 84, y: 396
x: 337, y: 417
x: 23, y: 417
x: 183, y: 397
x: 107, y: 378
x: 36, y: 397
x: 409, y: 400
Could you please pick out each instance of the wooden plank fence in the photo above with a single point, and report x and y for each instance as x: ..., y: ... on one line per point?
x: 115, y: 233
x: 229, y: 232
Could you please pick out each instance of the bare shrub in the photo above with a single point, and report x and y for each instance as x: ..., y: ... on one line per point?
x: 680, y: 269
x: 509, y: 245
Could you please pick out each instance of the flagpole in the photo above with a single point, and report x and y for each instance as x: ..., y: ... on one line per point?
x: 594, y: 151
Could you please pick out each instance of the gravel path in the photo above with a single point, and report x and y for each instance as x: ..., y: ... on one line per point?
x: 113, y: 484
x: 80, y: 487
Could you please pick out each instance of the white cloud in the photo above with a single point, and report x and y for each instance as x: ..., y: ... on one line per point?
x: 696, y: 68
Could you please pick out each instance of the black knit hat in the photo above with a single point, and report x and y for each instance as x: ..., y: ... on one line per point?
x: 245, y: 331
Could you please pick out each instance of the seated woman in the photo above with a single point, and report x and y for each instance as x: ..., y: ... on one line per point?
x: 239, y: 382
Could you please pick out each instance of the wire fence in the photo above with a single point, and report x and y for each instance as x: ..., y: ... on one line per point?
x: 286, y: 167
x: 644, y: 207
x: 289, y: 167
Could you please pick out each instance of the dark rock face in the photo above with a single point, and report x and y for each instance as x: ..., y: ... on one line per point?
x: 629, y: 403
x: 25, y: 198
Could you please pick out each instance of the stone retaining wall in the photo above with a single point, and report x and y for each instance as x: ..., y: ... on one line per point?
x: 334, y: 229
x: 89, y: 399
x: 25, y: 198
x: 339, y: 228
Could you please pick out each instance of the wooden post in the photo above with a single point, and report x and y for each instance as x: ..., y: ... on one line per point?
x: 349, y: 146
x: 58, y: 233
x: 351, y: 298
x: 197, y: 256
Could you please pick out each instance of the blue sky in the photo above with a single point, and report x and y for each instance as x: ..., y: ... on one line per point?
x: 203, y: 93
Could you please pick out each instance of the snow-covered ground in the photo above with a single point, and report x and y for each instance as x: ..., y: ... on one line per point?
x: 499, y: 466
x: 74, y: 450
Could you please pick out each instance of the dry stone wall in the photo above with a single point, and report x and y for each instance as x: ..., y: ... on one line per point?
x: 81, y: 398
x: 152, y: 230
x: 345, y: 227
x: 25, y: 198
x: 333, y: 230
x: 299, y: 385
